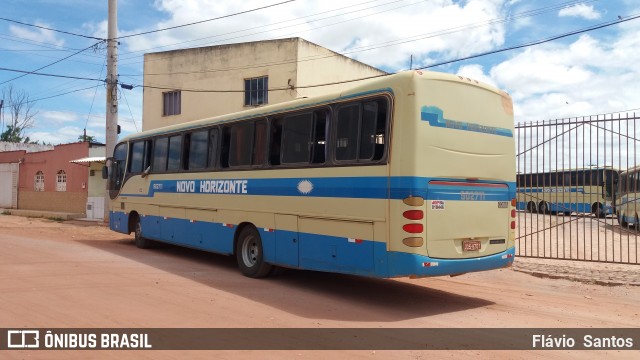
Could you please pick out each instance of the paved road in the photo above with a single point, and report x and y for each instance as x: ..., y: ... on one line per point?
x: 68, y: 275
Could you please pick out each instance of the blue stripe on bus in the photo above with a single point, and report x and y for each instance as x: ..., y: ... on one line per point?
x: 555, y: 190
x: 435, y: 116
x: 339, y: 187
x: 565, y: 207
x: 310, y: 251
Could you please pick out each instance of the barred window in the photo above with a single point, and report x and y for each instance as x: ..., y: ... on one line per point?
x: 256, y: 91
x: 171, y: 103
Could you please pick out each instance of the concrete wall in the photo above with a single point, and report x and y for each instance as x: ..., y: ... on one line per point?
x: 72, y: 202
x: 219, y: 68
x: 319, y: 65
x: 287, y: 62
x: 11, y: 146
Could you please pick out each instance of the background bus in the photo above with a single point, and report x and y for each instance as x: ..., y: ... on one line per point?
x: 628, y: 198
x: 411, y: 174
x: 568, y: 191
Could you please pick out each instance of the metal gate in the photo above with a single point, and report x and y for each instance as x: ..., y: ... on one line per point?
x: 568, y: 185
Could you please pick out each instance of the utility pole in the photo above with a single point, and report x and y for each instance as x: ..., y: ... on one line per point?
x: 112, y: 91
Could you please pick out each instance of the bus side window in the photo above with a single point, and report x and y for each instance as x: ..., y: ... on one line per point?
x: 160, y: 154
x: 259, y: 143
x: 240, y: 144
x: 347, y: 132
x: 275, y: 142
x: 213, y: 147
x: 361, y: 131
x: 296, y: 142
x: 175, y: 153
x: 198, y: 150
x: 224, y: 147
x: 136, y: 164
x: 380, y: 134
x: 319, y: 149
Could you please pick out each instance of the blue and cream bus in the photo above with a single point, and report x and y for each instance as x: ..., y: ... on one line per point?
x: 411, y: 174
x: 628, y: 199
x: 566, y: 191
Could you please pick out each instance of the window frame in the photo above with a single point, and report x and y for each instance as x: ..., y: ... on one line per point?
x: 61, y: 186
x: 248, y: 98
x: 175, y: 105
x: 387, y: 130
x: 38, y: 179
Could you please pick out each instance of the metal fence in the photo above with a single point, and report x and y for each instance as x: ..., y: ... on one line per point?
x: 568, y: 172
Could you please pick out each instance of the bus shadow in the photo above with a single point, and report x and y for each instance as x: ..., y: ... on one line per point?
x: 308, y: 294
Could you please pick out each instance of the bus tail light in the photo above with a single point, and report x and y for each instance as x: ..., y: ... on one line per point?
x: 413, y: 214
x: 413, y: 228
x: 513, y: 225
x: 513, y: 213
x: 413, y: 201
x: 413, y: 241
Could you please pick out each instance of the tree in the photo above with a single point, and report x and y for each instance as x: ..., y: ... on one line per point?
x: 20, y: 110
x: 87, y: 138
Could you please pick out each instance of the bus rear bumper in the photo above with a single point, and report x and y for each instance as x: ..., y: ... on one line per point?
x: 412, y: 265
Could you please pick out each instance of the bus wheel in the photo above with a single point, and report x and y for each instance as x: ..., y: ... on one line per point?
x: 637, y: 223
x: 543, y: 208
x: 622, y: 221
x: 250, y: 254
x: 598, y: 210
x: 141, y: 242
x: 531, y: 207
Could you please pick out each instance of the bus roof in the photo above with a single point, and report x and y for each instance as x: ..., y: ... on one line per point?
x: 372, y: 85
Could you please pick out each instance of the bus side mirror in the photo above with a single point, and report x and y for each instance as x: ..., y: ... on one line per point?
x: 105, y: 172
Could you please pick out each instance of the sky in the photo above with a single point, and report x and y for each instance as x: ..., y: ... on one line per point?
x: 593, y: 72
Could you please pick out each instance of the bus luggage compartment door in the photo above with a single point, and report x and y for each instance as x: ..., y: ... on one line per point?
x: 287, y: 242
x: 467, y: 219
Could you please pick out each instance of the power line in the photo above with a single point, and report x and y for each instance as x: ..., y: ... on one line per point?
x: 130, y: 113
x: 50, y: 29
x: 65, y: 93
x: 51, y: 75
x: 53, y: 63
x: 94, y: 93
x: 262, y: 26
x: 592, y: 28
x: 202, y: 21
x: 528, y: 13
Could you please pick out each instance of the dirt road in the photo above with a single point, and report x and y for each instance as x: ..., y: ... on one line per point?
x: 72, y: 275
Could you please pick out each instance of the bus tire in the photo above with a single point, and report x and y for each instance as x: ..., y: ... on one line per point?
x: 250, y: 254
x: 622, y: 221
x: 598, y: 210
x: 531, y: 207
x: 140, y: 241
x: 543, y: 208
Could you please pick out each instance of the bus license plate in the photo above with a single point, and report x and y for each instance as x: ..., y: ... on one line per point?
x: 470, y: 245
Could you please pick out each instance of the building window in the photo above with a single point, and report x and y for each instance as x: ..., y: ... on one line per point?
x: 256, y: 91
x: 171, y: 103
x: 38, y: 182
x: 61, y: 181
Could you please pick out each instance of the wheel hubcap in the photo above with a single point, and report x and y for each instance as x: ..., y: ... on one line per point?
x: 250, y: 252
